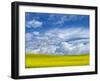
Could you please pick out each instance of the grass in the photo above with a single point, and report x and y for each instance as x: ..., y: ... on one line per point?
x: 43, y: 60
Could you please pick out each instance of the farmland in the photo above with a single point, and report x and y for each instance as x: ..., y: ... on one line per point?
x: 45, y: 60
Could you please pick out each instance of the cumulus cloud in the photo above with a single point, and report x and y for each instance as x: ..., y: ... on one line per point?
x: 28, y: 36
x: 36, y: 33
x: 33, y: 24
x: 61, y: 19
x: 59, y: 41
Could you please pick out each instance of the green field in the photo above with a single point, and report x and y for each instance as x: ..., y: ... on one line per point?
x: 44, y: 60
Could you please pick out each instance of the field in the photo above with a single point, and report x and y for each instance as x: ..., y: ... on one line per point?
x: 44, y: 60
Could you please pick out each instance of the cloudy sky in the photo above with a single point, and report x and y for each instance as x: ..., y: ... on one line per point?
x: 61, y: 34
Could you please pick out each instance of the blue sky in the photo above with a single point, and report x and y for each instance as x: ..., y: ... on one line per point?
x: 51, y: 31
x: 49, y: 21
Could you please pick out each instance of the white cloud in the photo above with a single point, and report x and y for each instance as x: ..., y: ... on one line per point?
x: 50, y: 49
x: 34, y: 24
x: 59, y: 41
x: 36, y: 33
x: 65, y: 18
x: 28, y: 36
x: 70, y: 49
x: 69, y: 33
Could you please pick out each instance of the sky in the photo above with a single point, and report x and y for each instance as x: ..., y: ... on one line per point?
x: 59, y: 34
